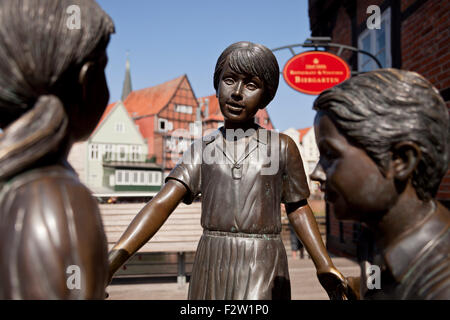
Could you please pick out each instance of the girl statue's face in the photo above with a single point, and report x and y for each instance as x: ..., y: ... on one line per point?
x: 240, y: 95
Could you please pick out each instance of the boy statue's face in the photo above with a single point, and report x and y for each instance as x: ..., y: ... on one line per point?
x: 351, y: 180
x: 240, y: 95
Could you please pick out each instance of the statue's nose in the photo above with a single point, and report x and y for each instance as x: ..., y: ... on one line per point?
x: 237, y: 92
x: 318, y: 174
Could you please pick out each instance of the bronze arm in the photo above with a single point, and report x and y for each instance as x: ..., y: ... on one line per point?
x: 302, y: 219
x: 146, y: 223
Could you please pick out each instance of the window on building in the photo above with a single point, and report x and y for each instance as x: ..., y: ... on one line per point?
x: 120, y: 127
x: 119, y: 177
x: 135, y: 180
x: 135, y: 153
x: 126, y: 177
x: 378, y: 43
x: 122, y: 153
x: 94, y: 152
x: 152, y: 178
x: 109, y: 151
x: 158, y: 177
x: 183, y: 109
x: 135, y: 177
x: 164, y: 125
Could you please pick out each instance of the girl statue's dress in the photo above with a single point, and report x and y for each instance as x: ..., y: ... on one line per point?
x: 240, y: 254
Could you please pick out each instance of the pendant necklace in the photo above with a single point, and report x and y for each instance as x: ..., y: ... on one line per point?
x: 236, y: 169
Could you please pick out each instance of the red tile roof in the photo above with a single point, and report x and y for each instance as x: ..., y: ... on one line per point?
x: 151, y: 100
x: 303, y: 132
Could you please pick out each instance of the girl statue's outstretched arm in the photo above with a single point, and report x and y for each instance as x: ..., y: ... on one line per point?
x: 146, y: 223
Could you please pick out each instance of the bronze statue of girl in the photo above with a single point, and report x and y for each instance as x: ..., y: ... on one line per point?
x: 240, y: 254
x: 53, y: 92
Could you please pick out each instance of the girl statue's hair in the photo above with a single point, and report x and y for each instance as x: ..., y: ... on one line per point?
x: 39, y: 52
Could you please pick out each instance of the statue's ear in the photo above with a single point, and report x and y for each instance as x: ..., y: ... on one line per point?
x: 405, y: 159
x: 86, y: 77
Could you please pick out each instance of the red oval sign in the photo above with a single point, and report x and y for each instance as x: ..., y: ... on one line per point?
x: 312, y: 72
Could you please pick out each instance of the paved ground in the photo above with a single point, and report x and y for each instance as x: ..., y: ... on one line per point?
x: 305, y: 285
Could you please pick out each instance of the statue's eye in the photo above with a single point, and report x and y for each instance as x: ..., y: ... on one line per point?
x: 228, y: 81
x: 328, y: 152
x: 251, y: 86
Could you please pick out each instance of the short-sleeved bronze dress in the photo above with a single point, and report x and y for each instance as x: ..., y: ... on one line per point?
x: 240, y: 254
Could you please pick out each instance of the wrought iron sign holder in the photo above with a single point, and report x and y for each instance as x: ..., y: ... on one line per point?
x: 325, y: 42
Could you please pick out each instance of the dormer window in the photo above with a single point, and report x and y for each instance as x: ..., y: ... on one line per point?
x: 183, y: 109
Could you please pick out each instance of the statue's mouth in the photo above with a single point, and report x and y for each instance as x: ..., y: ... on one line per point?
x: 235, y: 108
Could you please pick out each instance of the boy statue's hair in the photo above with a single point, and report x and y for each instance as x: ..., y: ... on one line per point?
x: 378, y: 109
x: 253, y: 59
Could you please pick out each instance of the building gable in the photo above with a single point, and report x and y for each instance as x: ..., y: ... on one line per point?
x: 151, y: 100
x: 303, y: 132
x: 117, y: 127
x: 183, y: 104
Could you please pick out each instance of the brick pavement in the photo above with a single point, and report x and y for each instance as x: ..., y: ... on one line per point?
x: 305, y: 285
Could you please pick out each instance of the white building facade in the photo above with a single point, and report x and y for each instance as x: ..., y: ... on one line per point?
x: 305, y: 139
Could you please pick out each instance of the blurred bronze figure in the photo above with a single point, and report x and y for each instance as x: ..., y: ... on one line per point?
x: 52, y: 93
x: 240, y: 254
x: 383, y: 138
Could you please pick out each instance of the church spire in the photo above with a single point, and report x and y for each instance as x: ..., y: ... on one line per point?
x: 126, y: 90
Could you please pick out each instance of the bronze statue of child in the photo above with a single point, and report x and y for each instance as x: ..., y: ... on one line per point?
x: 53, y: 92
x: 383, y: 138
x: 240, y: 254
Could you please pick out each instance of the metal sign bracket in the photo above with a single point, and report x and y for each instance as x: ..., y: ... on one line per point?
x: 325, y: 42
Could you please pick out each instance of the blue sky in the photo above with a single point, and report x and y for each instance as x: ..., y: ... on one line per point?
x: 169, y: 38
